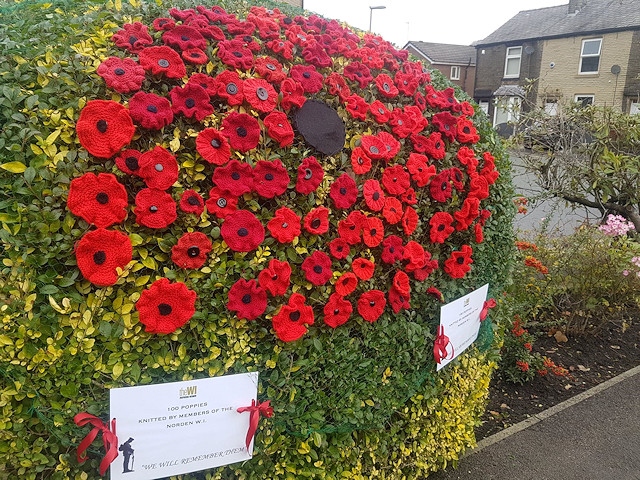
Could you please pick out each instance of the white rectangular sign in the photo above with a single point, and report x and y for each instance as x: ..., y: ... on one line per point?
x: 460, y: 321
x: 181, y: 427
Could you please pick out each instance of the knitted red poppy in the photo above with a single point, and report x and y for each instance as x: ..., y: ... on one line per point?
x: 221, y: 203
x: 392, y: 249
x: 307, y: 76
x: 154, y: 208
x: 270, y: 179
x: 372, y: 231
x: 191, y: 202
x: 479, y: 187
x: 238, y: 27
x: 242, y: 231
x: 123, y: 75
x: 429, y: 267
x: 357, y: 107
x: 363, y: 268
x: 159, y: 168
x: 195, y: 56
x: 401, y: 124
x: 292, y: 94
x: 234, y: 54
x: 440, y: 187
x: 338, y: 86
x: 99, y: 199
x: 242, y: 130
x: 371, y: 305
x: 409, y: 197
x: 398, y: 301
x: 164, y: 306
x: 247, y: 299
x: 213, y: 146
x: 282, y: 47
x: 386, y: 86
x: 373, y: 195
x: 360, y: 162
x: 162, y: 23
x: 337, y: 311
x: 393, y: 210
x: 279, y: 128
x: 350, y: 228
x: 235, y: 178
x: 401, y: 282
x: 133, y: 37
x: 346, y: 284
x: 407, y: 83
x: 392, y: 146
x: 358, y: 72
x: 469, y: 211
x: 259, y: 94
x: 100, y: 253
x: 339, y: 248
x: 395, y: 179
x: 269, y: 69
x: 415, y: 255
x: 436, y: 293
x: 409, y: 221
x: 446, y: 124
x: 344, y: 191
x: 184, y: 38
x: 419, y: 169
x: 129, y: 161
x: 191, y: 250
x: 479, y: 235
x: 150, y: 111
x: 205, y: 81
x: 285, y: 225
x: 458, y: 264
x: 275, y: 278
x: 317, y: 268
x: 162, y: 61
x: 457, y: 178
x: 466, y: 132
x: 373, y: 147
x: 489, y: 169
x: 316, y: 221
x: 228, y: 86
x: 379, y: 112
x: 289, y: 323
x: 310, y: 174
x: 191, y: 100
x: 104, y: 127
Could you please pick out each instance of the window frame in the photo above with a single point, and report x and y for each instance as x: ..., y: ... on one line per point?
x: 578, y: 96
x: 508, y: 57
x: 590, y: 55
x: 456, y: 76
x: 510, y: 105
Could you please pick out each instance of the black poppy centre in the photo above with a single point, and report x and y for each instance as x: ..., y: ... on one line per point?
x: 315, y: 223
x: 190, y: 102
x: 243, y: 232
x: 121, y: 71
x: 441, y: 227
x: 241, y: 131
x: 294, y: 316
x: 376, y: 195
x: 99, y: 257
x: 131, y: 163
x: 269, y: 177
x: 133, y: 39
x: 164, y: 309
x: 317, y: 269
x: 246, y: 299
x: 193, y: 251
x: 215, y: 143
x: 101, y: 125
x: 193, y: 200
x: 235, y: 176
x: 343, y: 191
x: 460, y: 260
x: 163, y: 62
x: 152, y: 109
x: 102, y: 198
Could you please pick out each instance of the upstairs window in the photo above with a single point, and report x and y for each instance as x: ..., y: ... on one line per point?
x: 590, y: 55
x: 455, y: 73
x: 512, y: 62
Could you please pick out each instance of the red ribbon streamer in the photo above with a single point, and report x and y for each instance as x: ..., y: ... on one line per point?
x: 263, y: 409
x: 109, y: 439
x: 485, y: 308
x: 440, y: 346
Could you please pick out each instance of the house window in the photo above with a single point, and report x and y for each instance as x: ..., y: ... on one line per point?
x: 512, y: 62
x: 484, y: 106
x: 507, y: 110
x: 590, y: 55
x: 551, y: 108
x: 585, y: 100
x: 634, y: 109
x: 455, y: 73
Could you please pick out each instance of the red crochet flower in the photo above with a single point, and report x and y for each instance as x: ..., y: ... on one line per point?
x: 401, y: 283
x: 279, y: 128
x: 373, y: 195
x: 466, y: 132
x: 129, y: 161
x: 191, y: 250
x: 100, y: 253
x: 441, y: 227
x: 242, y: 130
x: 317, y: 268
x: 357, y: 107
x: 269, y: 69
x: 235, y: 54
x: 195, y: 56
x: 317, y: 221
x: 409, y: 221
x: 373, y: 147
x: 158, y: 168
x: 270, y: 179
x: 191, y: 100
x: 104, y: 127
x: 337, y: 311
x: 409, y: 197
x: 392, y: 210
x: 392, y: 249
x: 440, y: 187
x: 350, y: 228
x: 346, y: 284
x: 436, y: 293
x: 395, y: 180
x: 235, y: 178
x: 259, y: 94
x: 282, y: 47
x: 184, y: 38
x: 307, y: 76
x: 133, y: 37
x: 467, y: 214
x: 360, y: 162
x: 213, y: 146
x: 380, y: 112
x: 191, y: 202
x: 242, y: 231
x: 435, y: 147
x: 161, y: 24
x: 457, y: 265
x: 154, y: 208
x: 228, y: 85
x: 162, y: 61
x: 150, y: 111
x: 386, y: 86
x: 477, y: 230
x: 339, y: 248
x: 275, y: 278
x: 292, y: 94
x: 123, y: 75
x: 415, y: 254
x: 392, y: 146
x: 446, y: 124
x: 420, y: 171
x: 285, y: 225
x: 221, y: 203
x: 344, y: 191
x: 363, y: 268
x: 205, y: 81
x: 164, y: 306
x: 479, y: 187
x: 247, y: 299
x: 289, y: 323
x: 407, y: 83
x: 338, y: 86
x: 398, y: 300
x: 372, y: 231
x: 99, y: 199
x: 358, y: 72
x: 371, y: 305
x: 310, y: 174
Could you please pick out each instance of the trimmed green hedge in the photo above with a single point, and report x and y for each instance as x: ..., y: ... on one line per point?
x: 359, y: 401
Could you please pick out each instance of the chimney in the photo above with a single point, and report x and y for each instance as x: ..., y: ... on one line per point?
x: 575, y: 6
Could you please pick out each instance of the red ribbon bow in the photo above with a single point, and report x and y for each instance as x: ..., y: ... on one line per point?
x: 485, y: 308
x: 109, y: 439
x: 263, y: 409
x: 440, y: 346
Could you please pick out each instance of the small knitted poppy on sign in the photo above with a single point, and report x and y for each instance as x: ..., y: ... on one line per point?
x: 339, y: 248
x: 242, y: 231
x: 285, y: 225
x: 292, y: 94
x: 221, y: 203
x: 123, y: 75
x: 99, y: 199
x: 234, y: 54
x: 104, y: 127
x: 275, y: 278
x: 159, y: 168
x: 310, y: 174
x: 191, y: 250
x: 398, y: 300
x: 150, y: 110
x: 270, y: 179
x: 279, y: 128
x: 164, y: 306
x: 184, y: 38
x: 344, y: 191
x: 191, y: 202
x: 235, y: 178
x: 317, y: 268
x: 337, y: 311
x: 371, y: 305
x: 316, y: 221
x: 392, y: 249
x: 162, y: 61
x: 229, y: 86
x: 363, y: 268
x: 100, y: 253
x: 154, y: 208
x: 259, y: 94
x: 191, y: 100
x: 409, y: 221
x: 289, y: 323
x: 242, y: 130
x: 213, y: 146
x: 307, y: 76
x: 346, y: 284
x: 133, y: 37
x: 372, y: 231
x: 458, y: 264
x: 247, y: 298
x: 395, y: 180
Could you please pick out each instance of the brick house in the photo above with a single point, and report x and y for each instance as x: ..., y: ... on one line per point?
x: 456, y: 62
x: 586, y: 51
x: 295, y: 3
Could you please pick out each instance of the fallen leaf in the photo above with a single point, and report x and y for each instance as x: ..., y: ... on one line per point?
x: 561, y: 337
x: 582, y: 368
x: 615, y: 347
x: 567, y: 387
x: 504, y: 406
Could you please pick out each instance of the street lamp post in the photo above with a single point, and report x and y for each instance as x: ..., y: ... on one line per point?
x: 371, y: 9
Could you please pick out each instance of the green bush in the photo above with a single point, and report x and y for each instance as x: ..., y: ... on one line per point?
x: 359, y: 401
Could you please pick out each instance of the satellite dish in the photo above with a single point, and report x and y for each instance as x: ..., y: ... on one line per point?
x: 615, y: 69
x: 529, y: 49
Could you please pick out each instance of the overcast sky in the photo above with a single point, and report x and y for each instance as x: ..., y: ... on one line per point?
x: 445, y: 21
